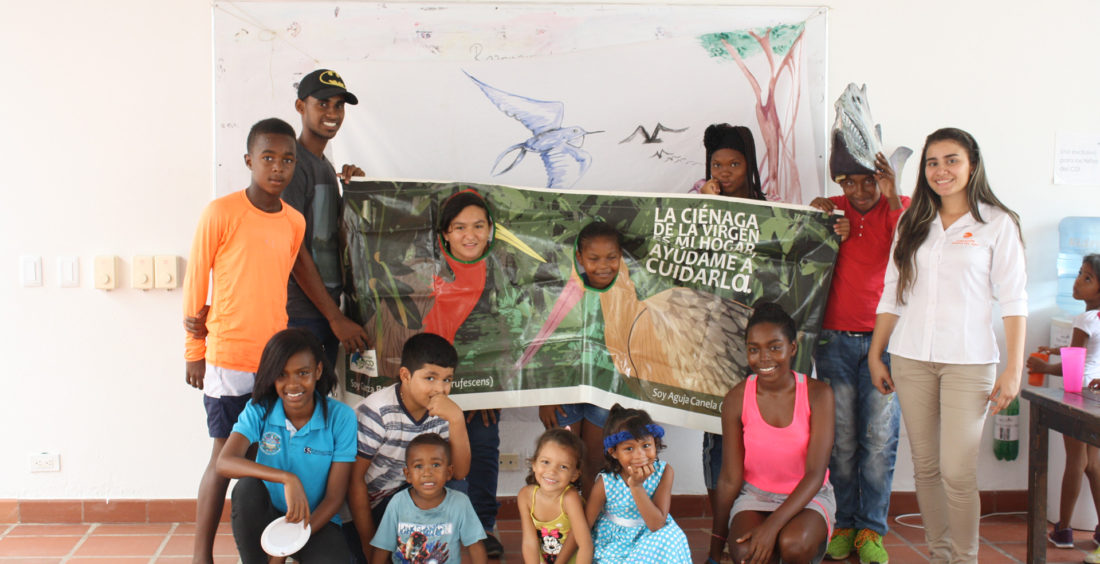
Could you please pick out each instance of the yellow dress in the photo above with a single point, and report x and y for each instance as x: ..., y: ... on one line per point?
x: 552, y: 533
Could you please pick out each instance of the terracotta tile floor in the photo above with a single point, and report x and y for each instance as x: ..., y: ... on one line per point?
x: 1003, y: 540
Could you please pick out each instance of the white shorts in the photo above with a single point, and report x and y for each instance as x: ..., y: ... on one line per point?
x: 220, y: 381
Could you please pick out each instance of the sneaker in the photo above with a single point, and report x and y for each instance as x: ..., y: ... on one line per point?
x: 1096, y: 536
x: 840, y: 546
x: 870, y: 548
x: 1093, y: 557
x: 493, y: 548
x: 1061, y: 538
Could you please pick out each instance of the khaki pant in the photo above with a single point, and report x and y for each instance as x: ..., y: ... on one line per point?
x: 944, y: 407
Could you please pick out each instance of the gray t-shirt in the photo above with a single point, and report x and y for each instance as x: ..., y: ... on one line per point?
x: 315, y: 191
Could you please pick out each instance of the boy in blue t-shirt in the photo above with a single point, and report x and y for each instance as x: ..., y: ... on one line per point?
x: 428, y: 522
x: 391, y: 418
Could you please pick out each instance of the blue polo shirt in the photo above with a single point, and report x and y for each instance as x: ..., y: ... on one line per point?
x: 308, y: 452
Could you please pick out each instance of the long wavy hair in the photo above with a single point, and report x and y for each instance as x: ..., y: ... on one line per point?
x: 915, y: 222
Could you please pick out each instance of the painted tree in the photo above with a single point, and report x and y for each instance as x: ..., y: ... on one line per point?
x: 782, y: 45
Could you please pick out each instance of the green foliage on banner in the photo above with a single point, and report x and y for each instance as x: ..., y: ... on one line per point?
x: 669, y: 330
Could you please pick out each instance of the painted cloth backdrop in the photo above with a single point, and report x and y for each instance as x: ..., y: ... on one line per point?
x: 567, y: 96
x: 668, y: 333
x: 628, y: 117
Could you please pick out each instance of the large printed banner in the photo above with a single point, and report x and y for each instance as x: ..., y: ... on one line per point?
x: 667, y: 334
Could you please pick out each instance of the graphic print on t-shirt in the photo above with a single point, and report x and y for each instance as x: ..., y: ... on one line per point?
x: 551, y: 541
x: 423, y: 544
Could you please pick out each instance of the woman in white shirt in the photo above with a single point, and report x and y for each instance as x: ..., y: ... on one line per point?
x: 958, y: 249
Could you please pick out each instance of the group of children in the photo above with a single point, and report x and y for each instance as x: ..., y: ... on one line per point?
x: 412, y: 444
x: 268, y: 258
x: 397, y: 464
x: 295, y: 451
x: 400, y: 459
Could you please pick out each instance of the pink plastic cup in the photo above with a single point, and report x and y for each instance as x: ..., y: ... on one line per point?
x: 1073, y: 368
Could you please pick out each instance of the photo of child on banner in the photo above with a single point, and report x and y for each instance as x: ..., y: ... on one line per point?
x: 533, y: 326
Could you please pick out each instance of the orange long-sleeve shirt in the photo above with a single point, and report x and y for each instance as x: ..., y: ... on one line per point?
x: 251, y: 254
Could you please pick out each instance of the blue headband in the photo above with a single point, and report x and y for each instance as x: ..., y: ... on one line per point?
x: 611, y: 440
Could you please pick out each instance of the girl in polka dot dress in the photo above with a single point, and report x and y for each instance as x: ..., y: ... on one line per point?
x: 630, y: 499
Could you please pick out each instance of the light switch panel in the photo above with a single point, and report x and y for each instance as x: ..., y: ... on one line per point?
x: 166, y: 272
x: 68, y: 272
x: 141, y: 272
x: 30, y: 270
x: 106, y: 272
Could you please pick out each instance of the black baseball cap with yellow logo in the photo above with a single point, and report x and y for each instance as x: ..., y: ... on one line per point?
x: 323, y: 84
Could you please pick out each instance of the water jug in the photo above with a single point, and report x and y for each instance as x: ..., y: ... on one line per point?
x: 1077, y: 237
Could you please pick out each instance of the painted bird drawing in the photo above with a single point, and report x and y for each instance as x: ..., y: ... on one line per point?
x: 558, y: 147
x: 647, y: 138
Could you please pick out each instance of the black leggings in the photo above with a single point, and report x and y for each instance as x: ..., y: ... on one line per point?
x: 252, y: 511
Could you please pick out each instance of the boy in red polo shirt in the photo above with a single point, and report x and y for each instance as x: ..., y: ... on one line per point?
x: 861, y: 468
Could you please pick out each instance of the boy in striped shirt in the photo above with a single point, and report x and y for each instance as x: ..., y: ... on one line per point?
x: 391, y: 417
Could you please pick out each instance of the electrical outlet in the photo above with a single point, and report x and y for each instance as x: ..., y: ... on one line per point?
x: 45, y: 462
x: 509, y: 462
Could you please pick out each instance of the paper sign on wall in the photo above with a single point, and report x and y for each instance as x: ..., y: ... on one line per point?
x: 1077, y: 159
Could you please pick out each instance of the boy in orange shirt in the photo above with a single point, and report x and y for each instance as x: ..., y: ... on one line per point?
x: 246, y: 243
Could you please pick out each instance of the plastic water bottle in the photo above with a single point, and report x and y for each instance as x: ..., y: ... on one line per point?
x: 1006, y: 432
x: 1077, y: 237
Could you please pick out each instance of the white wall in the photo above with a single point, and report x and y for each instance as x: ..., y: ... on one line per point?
x: 107, y: 122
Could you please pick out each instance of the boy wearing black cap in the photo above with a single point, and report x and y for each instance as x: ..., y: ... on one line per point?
x: 866, y: 429
x: 313, y: 292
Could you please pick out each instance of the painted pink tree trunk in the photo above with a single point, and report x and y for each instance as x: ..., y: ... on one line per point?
x: 779, y: 170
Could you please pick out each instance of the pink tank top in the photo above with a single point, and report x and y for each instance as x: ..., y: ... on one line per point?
x: 775, y: 457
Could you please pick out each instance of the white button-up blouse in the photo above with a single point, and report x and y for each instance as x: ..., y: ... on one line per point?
x: 961, y: 271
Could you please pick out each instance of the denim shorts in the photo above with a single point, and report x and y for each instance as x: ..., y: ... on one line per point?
x: 753, y: 498
x: 221, y: 413
x: 575, y: 412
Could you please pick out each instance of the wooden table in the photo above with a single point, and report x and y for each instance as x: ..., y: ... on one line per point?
x: 1075, y: 415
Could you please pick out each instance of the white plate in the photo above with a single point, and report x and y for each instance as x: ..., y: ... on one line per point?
x: 283, y: 539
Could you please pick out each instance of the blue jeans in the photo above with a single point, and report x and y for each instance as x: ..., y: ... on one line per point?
x: 865, y: 442
x: 578, y: 412
x: 320, y: 328
x: 484, y: 468
x: 712, y: 460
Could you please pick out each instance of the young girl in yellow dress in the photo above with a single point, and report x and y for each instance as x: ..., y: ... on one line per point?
x: 556, y: 530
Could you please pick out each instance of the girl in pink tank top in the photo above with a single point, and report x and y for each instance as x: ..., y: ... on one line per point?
x: 774, y: 497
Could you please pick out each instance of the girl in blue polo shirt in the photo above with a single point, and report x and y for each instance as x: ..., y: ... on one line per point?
x: 307, y: 444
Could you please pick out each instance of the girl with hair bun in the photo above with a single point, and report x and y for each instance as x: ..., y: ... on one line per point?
x: 630, y: 501
x: 731, y: 167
